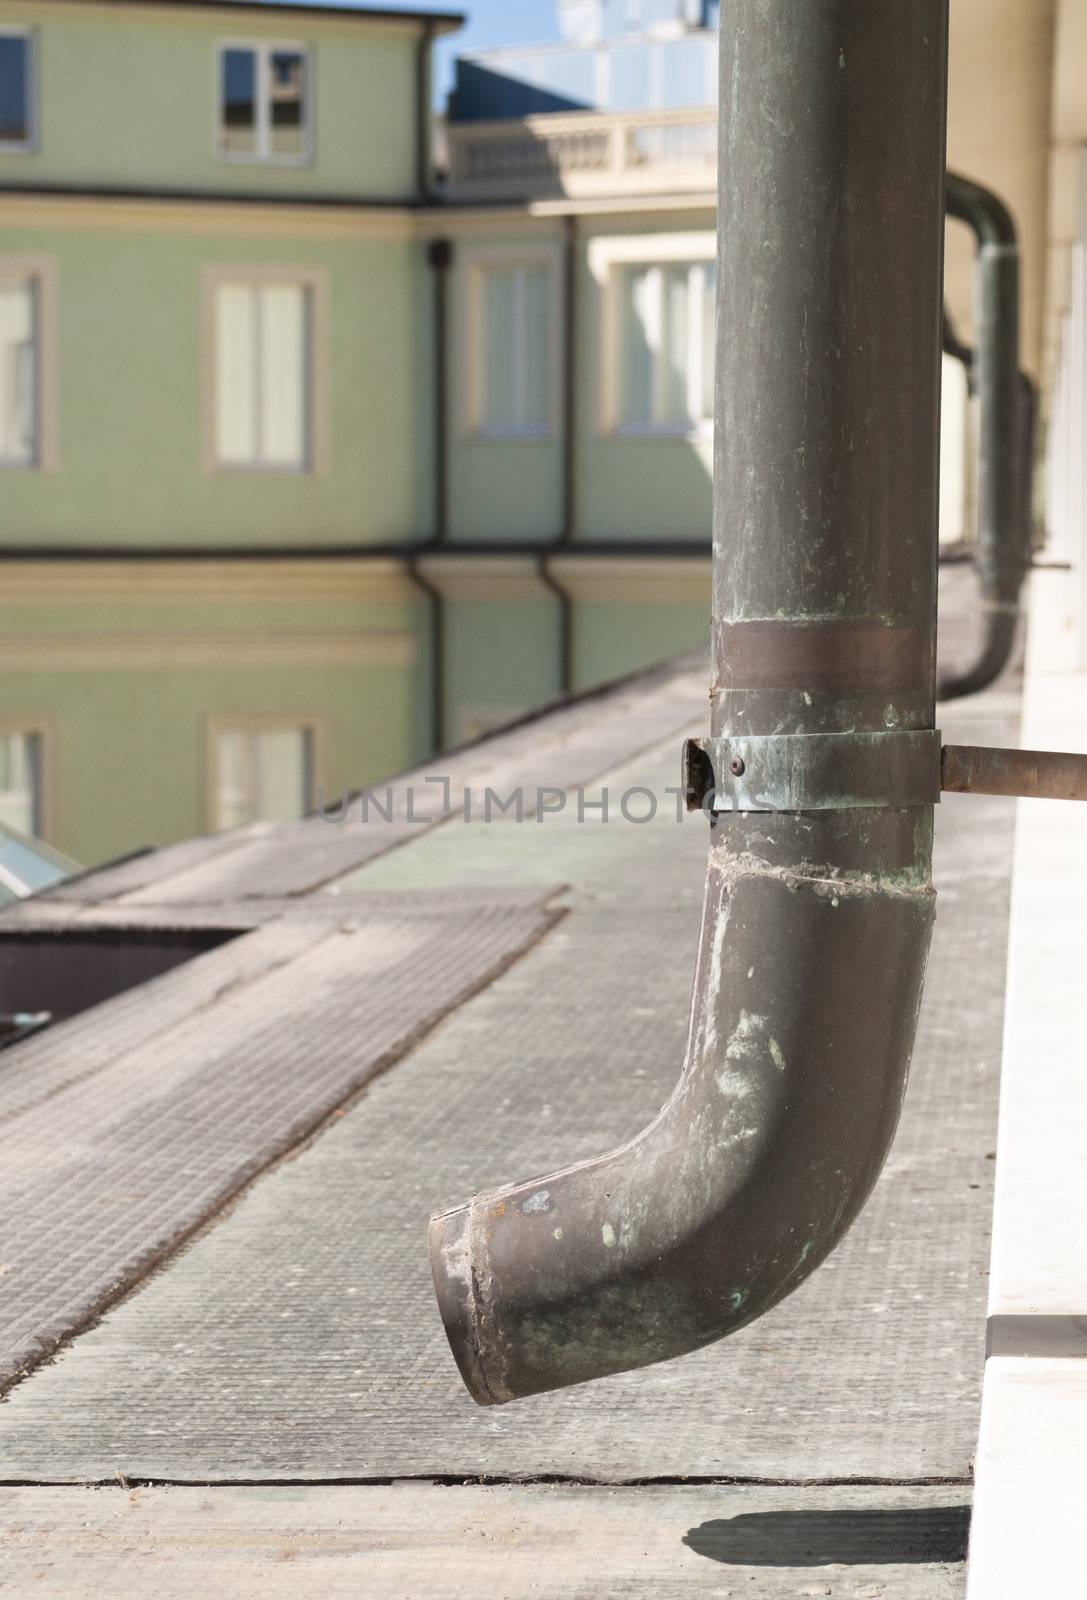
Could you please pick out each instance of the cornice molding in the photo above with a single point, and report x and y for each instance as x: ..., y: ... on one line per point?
x: 491, y: 579
x: 254, y: 217
x: 336, y: 18
x: 193, y: 651
x: 211, y: 582
x: 601, y: 580
x: 622, y: 580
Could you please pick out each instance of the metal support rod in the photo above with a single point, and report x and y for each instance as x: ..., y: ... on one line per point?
x: 1003, y: 537
x: 816, y: 926
x: 1026, y: 774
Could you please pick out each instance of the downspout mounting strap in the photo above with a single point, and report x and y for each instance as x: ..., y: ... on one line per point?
x: 812, y: 771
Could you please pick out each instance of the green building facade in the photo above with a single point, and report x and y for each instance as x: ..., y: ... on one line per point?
x: 309, y: 465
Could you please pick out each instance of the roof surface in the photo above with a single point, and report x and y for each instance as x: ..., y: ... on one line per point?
x: 409, y: 1012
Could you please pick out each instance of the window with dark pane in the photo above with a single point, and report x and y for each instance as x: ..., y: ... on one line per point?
x: 238, y: 128
x: 15, y: 129
x: 263, y: 110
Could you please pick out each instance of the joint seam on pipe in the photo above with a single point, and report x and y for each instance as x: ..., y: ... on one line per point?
x: 822, y: 882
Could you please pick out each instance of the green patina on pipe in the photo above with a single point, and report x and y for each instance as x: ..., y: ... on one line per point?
x: 816, y: 924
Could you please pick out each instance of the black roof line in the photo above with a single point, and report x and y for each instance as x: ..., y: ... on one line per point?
x: 224, y: 197
x: 439, y: 21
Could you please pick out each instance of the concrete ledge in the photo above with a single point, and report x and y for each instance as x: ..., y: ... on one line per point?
x: 418, y: 1541
x: 1026, y: 1538
x: 1031, y: 1467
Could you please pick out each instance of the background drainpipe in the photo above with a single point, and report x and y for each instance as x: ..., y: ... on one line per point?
x: 440, y: 257
x: 818, y: 903
x: 424, y: 122
x: 567, y: 665
x: 440, y: 260
x: 1005, y: 433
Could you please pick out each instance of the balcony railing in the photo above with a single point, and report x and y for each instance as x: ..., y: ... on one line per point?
x: 583, y: 154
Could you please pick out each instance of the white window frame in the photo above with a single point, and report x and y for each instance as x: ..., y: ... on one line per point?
x: 45, y: 800
x: 263, y: 155
x: 473, y: 265
x: 315, y: 723
x: 43, y: 271
x: 28, y: 145
x: 313, y: 279
x: 609, y: 257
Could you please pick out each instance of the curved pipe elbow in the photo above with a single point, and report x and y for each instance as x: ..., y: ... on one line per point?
x: 982, y: 211
x: 806, y: 996
x: 1001, y: 626
x: 1006, y: 432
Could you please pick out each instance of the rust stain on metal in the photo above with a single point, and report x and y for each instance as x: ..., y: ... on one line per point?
x: 827, y: 656
x: 1026, y: 774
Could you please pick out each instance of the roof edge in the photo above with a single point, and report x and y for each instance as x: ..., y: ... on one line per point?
x: 433, y: 21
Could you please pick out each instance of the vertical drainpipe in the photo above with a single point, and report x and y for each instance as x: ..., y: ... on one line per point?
x: 1004, y: 534
x: 828, y: 368
x: 1028, y: 411
x: 569, y: 455
x: 440, y: 258
x: 819, y: 901
x: 440, y: 261
x: 424, y: 125
x: 436, y: 606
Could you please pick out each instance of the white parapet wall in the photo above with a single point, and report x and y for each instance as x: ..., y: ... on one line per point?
x: 1027, y: 1539
x: 585, y: 154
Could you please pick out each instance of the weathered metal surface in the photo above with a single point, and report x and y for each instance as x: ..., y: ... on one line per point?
x: 107, y: 1078
x: 115, y: 1156
x: 1028, y: 774
x: 814, y: 771
x: 762, y: 1158
x: 1005, y: 433
x: 816, y: 925
x: 798, y: 655
x: 840, y: 772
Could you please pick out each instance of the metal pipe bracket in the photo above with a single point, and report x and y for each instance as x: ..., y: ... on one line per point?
x: 812, y: 771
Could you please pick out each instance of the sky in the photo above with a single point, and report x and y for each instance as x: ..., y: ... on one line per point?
x: 490, y: 23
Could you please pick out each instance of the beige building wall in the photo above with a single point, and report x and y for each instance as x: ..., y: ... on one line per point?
x: 1069, y: 135
x: 1017, y: 123
x: 1000, y: 98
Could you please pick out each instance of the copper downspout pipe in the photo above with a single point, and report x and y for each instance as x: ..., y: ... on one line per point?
x: 817, y: 921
